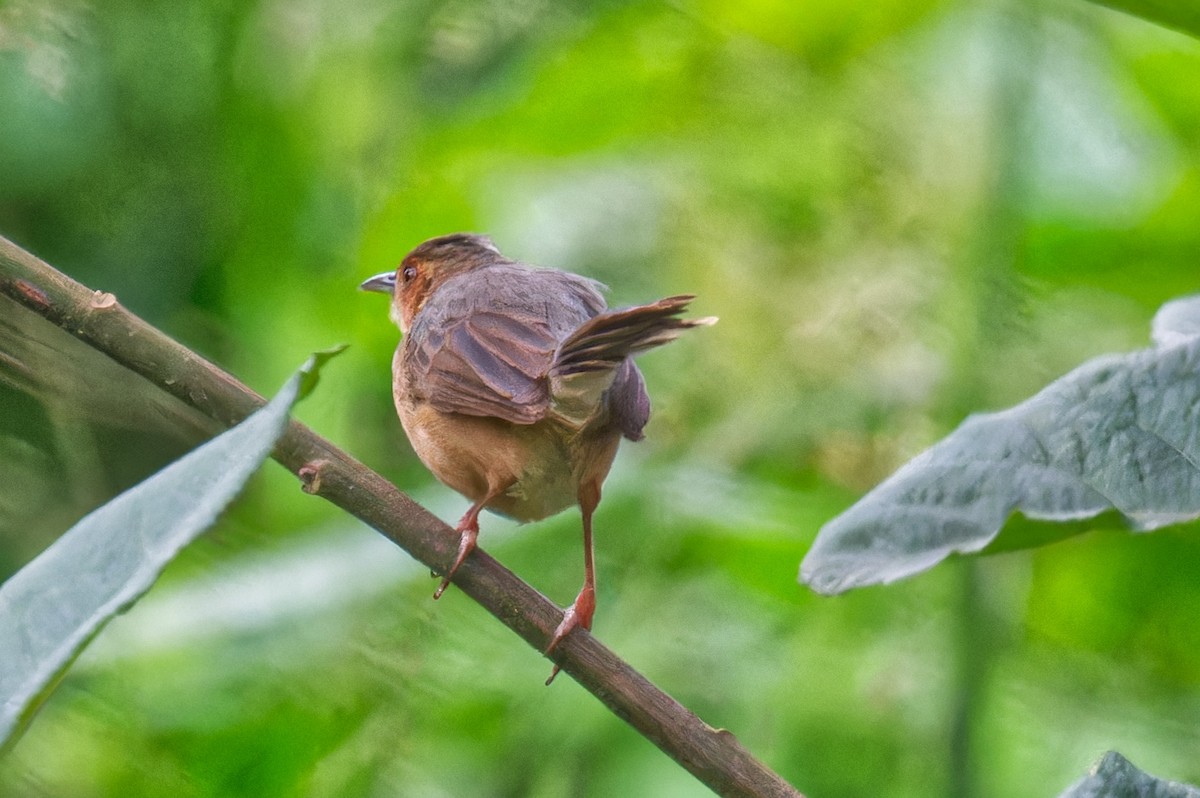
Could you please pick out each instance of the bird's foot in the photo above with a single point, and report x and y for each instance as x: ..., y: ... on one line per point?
x: 579, y: 614
x: 468, y: 529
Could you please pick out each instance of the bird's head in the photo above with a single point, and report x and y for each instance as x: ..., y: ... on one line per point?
x: 428, y: 266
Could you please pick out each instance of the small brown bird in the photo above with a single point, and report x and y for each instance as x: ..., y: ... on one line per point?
x: 515, y: 384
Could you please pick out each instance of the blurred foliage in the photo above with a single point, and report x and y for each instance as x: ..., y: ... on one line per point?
x: 902, y: 212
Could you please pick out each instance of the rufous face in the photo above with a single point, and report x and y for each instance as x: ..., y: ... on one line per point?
x: 414, y: 283
x: 426, y: 267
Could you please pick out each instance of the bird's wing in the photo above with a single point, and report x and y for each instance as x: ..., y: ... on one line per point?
x: 485, y: 340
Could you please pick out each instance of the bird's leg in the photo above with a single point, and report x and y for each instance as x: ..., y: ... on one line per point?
x: 581, y: 610
x: 468, y: 530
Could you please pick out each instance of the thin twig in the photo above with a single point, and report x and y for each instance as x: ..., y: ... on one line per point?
x: 713, y: 755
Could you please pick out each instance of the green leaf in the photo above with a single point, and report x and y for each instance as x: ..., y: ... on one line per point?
x: 310, y: 372
x: 56, y: 604
x: 1115, y: 776
x: 1119, y: 433
x: 1182, y: 16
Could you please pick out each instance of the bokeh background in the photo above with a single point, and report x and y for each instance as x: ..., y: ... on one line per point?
x: 903, y: 211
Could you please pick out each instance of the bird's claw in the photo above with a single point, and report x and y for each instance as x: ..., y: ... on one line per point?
x: 466, y: 544
x: 579, y: 614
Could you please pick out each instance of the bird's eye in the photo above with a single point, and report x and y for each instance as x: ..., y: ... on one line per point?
x: 408, y: 273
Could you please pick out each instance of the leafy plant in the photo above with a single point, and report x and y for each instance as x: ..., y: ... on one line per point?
x: 52, y: 608
x: 1115, y: 776
x: 1119, y: 433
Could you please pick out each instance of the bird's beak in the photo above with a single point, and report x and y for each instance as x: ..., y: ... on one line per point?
x: 383, y: 283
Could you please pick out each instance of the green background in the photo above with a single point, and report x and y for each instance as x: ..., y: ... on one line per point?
x: 903, y: 212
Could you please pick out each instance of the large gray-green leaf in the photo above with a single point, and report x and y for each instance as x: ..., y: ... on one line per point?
x: 1114, y: 776
x: 53, y: 606
x: 1121, y: 432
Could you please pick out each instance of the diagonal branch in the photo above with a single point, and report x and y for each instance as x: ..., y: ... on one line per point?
x: 714, y: 756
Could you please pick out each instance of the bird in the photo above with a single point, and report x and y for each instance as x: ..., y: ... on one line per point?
x: 515, y: 385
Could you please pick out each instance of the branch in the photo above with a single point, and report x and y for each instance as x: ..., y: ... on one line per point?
x: 712, y: 755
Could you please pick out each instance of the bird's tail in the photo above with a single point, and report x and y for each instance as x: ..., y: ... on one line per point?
x: 587, y: 361
x: 603, y: 342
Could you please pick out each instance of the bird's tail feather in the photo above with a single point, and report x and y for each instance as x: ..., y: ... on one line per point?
x: 587, y: 361
x: 602, y: 343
